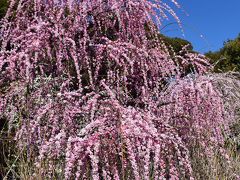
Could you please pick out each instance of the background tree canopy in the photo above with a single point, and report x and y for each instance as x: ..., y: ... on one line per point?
x: 176, y: 43
x: 228, y: 57
x: 3, y: 8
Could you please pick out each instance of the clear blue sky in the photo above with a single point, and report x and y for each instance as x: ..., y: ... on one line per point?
x: 216, y: 20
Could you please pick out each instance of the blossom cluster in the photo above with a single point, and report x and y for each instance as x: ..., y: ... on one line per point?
x: 85, y: 93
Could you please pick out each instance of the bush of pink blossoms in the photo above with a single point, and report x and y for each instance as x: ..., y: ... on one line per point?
x: 84, y: 90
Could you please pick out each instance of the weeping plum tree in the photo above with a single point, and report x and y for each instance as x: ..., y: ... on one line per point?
x: 85, y: 92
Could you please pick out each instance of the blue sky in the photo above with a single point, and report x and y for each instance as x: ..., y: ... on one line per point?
x: 216, y: 20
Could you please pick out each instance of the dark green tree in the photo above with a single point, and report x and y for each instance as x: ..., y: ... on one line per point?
x: 3, y: 8
x: 176, y: 43
x: 228, y: 57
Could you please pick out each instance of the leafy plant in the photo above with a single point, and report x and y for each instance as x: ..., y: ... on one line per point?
x: 227, y: 58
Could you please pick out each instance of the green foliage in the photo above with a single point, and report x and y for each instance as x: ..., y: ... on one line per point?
x: 172, y: 43
x: 176, y: 43
x: 228, y: 57
x: 3, y: 8
x: 174, y: 46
